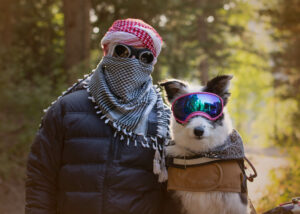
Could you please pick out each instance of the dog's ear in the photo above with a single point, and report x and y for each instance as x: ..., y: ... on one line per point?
x: 220, y: 86
x: 174, y: 88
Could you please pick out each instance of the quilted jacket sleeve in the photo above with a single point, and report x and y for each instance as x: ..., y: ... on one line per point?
x: 44, y: 163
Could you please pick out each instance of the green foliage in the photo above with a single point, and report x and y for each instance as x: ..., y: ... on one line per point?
x: 202, y: 33
x: 285, y: 26
x: 284, y: 23
x: 31, y: 76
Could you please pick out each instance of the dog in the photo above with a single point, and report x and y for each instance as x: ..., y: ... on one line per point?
x: 199, y: 135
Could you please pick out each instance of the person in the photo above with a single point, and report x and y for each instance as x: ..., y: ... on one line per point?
x: 99, y: 148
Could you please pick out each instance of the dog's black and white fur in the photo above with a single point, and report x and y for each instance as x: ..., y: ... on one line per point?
x: 201, y: 135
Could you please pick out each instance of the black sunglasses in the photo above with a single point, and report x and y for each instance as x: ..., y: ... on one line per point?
x: 126, y: 51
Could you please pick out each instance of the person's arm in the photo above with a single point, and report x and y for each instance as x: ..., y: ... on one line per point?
x: 44, y: 163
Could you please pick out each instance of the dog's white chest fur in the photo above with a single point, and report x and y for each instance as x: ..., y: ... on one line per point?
x: 211, y: 202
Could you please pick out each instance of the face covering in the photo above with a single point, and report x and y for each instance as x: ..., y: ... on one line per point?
x: 126, y: 78
x: 123, y: 91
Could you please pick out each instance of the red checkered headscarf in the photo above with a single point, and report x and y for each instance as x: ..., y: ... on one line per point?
x: 132, y: 32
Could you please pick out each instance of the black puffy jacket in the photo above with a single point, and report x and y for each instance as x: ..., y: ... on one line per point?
x: 76, y: 166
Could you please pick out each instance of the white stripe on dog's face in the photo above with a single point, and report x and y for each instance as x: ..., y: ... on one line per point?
x: 211, y: 134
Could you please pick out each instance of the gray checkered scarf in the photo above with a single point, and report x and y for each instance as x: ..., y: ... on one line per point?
x: 233, y: 148
x: 128, y: 80
x: 123, y: 91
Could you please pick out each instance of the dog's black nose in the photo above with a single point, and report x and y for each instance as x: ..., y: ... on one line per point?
x: 198, y: 131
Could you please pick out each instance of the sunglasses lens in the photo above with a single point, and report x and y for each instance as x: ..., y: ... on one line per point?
x: 208, y: 104
x: 121, y: 51
x: 146, y: 57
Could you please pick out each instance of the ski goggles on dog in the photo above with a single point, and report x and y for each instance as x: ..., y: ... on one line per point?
x: 126, y: 51
x: 205, y: 104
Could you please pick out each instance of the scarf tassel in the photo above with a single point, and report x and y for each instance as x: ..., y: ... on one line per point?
x: 144, y: 142
x: 163, y: 176
x: 159, y: 167
x: 156, y: 163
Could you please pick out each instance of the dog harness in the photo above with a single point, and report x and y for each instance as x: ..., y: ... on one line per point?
x: 225, y: 176
x: 222, y: 169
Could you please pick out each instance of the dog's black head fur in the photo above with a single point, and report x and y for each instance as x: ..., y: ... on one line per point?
x: 174, y: 88
x: 220, y: 86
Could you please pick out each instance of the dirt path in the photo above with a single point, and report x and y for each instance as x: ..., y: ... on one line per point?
x: 12, y: 198
x: 264, y: 160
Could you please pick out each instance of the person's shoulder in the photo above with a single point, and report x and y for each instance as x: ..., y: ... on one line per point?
x: 74, y: 97
x: 76, y: 101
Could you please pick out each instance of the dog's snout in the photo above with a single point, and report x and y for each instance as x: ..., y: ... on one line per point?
x: 198, y: 131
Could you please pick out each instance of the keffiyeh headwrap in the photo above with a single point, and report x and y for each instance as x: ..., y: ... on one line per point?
x: 133, y: 32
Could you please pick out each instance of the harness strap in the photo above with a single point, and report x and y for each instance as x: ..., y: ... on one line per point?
x: 251, y: 176
x: 244, y: 186
x: 188, y: 162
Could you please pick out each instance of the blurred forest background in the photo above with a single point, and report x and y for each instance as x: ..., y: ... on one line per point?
x: 46, y: 45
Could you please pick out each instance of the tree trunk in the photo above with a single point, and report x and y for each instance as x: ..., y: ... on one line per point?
x: 202, y: 32
x: 204, y: 69
x: 77, y: 32
x: 6, y: 23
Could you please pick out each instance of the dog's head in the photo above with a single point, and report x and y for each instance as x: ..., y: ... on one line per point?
x: 200, y: 134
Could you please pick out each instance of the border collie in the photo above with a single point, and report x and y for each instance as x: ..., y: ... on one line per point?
x: 200, y: 134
